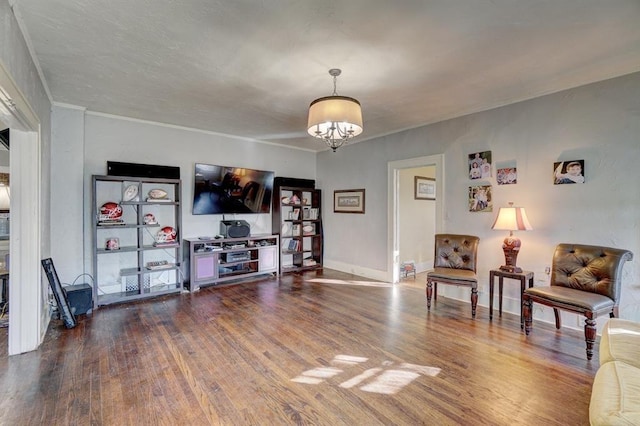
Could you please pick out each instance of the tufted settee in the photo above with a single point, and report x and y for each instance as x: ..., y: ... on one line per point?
x: 585, y: 280
x: 615, y: 395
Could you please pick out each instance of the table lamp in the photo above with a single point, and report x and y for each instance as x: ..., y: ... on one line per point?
x: 511, y: 219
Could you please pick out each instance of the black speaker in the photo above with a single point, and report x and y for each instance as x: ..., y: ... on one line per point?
x: 234, y: 228
x: 295, y: 182
x: 80, y: 298
x: 115, y: 168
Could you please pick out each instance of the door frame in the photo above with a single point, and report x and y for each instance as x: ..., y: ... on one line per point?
x: 393, y: 230
x: 28, y: 318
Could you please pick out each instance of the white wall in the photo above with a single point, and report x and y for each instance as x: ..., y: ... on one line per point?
x: 67, y: 206
x: 98, y: 138
x: 416, y: 220
x: 4, y: 159
x: 599, y: 123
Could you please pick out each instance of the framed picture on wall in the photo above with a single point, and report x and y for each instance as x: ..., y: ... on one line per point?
x: 507, y: 176
x: 480, y: 198
x: 480, y: 165
x: 348, y: 201
x: 568, y: 172
x: 424, y: 188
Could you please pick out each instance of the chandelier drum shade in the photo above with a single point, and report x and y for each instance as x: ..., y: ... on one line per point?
x: 335, y: 119
x: 511, y: 219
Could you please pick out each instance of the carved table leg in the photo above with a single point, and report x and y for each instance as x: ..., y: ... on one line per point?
x: 527, y: 312
x: 558, y: 319
x: 474, y: 301
x: 590, y: 335
x: 491, y: 278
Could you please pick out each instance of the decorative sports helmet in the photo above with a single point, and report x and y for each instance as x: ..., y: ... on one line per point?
x: 110, y: 211
x: 166, y: 235
x: 150, y: 219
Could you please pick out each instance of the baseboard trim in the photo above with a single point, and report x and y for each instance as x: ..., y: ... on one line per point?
x: 373, y: 274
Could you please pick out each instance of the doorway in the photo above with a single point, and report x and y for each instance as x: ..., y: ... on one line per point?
x: 399, y: 172
x: 5, y: 205
x: 27, y: 298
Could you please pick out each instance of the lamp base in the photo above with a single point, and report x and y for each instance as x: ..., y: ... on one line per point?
x: 511, y: 248
x: 511, y: 268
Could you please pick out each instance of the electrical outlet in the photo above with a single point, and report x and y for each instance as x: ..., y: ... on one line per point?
x: 547, y: 270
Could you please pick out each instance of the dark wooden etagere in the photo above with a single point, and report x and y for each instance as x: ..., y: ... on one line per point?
x: 297, y: 219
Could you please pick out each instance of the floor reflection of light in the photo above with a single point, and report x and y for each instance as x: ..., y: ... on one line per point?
x: 350, y: 282
x: 384, y: 380
x: 360, y: 378
x: 390, y: 382
x: 316, y: 375
x: 422, y: 369
x: 348, y: 359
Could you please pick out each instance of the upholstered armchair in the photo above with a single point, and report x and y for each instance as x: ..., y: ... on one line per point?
x: 454, y: 263
x: 584, y: 280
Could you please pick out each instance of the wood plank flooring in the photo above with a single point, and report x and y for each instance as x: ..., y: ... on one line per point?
x: 323, y: 348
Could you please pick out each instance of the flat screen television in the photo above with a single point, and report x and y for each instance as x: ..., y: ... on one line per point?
x: 223, y: 189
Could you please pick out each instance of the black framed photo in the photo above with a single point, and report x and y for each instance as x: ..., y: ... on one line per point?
x: 348, y: 201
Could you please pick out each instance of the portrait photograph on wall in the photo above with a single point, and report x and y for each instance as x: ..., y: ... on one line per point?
x: 480, y: 199
x: 480, y: 165
x: 568, y: 172
x: 507, y: 176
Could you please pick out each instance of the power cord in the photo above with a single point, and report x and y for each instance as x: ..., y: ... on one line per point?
x: 82, y: 275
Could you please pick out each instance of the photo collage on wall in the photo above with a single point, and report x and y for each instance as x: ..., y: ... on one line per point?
x: 479, y: 197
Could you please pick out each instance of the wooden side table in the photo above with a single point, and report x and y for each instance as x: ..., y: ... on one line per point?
x: 523, y: 277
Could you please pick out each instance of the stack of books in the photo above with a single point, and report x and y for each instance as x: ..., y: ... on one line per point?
x: 294, y: 245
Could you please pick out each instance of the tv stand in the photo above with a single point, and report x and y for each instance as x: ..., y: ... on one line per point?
x: 217, y: 260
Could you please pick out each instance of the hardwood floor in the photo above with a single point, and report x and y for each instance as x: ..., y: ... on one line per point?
x: 312, y: 349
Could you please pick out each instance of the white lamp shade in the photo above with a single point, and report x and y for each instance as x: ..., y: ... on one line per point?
x: 326, y: 112
x: 512, y: 219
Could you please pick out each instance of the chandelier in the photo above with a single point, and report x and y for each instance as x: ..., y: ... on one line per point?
x: 335, y: 119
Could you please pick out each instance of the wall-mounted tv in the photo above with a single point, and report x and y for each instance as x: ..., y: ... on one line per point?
x: 222, y: 189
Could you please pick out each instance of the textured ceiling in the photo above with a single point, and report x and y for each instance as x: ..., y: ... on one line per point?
x: 250, y: 68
